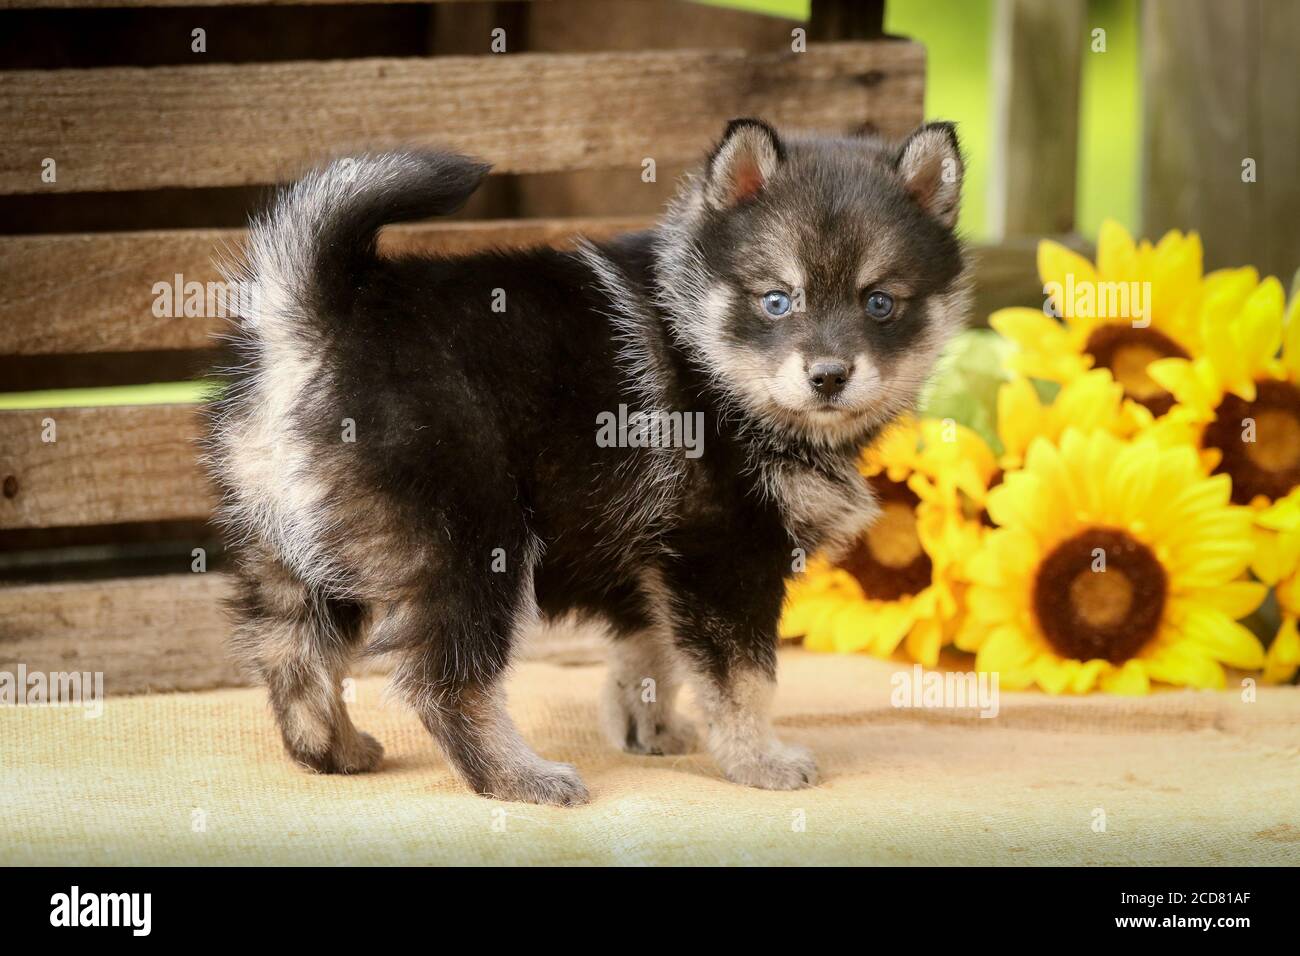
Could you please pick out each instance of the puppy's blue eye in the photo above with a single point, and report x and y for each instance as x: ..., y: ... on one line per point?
x: 776, y: 303
x: 880, y: 305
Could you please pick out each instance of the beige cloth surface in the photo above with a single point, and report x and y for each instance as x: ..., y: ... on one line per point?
x: 1181, y: 778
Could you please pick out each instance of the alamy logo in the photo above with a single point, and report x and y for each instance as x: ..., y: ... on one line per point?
x: 203, y: 300
x: 945, y: 690
x: 55, y: 689
x: 1099, y: 300
x: 103, y: 909
x: 651, y: 429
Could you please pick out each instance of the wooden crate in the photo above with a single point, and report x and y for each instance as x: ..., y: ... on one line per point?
x: 118, y: 496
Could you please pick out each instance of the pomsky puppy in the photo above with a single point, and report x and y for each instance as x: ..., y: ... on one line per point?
x: 409, y: 462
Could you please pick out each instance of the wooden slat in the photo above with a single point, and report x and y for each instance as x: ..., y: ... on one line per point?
x: 150, y: 633
x: 107, y: 465
x: 223, y: 125
x: 1219, y: 84
x: 1037, y: 62
x: 69, y: 294
x: 169, y: 632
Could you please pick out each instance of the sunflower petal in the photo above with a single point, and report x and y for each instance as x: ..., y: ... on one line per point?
x: 1225, y: 639
x: 1116, y: 253
x: 1129, y: 680
x: 1063, y: 268
x: 1283, y: 654
x: 1183, y: 665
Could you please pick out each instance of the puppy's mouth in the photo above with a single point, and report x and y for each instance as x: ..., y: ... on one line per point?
x: 821, y: 408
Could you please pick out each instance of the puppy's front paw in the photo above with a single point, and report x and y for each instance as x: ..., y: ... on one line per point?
x: 776, y: 766
x: 546, y: 782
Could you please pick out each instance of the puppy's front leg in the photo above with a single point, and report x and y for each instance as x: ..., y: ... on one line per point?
x: 740, y: 736
x: 728, y: 637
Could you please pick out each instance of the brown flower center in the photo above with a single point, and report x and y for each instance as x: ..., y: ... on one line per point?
x: 1100, y: 594
x: 1127, y: 352
x: 889, y: 562
x: 1259, y: 441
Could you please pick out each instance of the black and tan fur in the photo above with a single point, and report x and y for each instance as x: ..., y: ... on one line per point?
x: 475, y: 497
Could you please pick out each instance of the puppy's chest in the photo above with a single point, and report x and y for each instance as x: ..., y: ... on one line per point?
x: 825, y: 509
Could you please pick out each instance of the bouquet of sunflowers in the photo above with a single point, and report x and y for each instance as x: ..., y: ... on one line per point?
x: 1097, y: 494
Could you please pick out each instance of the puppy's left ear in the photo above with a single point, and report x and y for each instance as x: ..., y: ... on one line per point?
x: 932, y: 170
x: 742, y: 163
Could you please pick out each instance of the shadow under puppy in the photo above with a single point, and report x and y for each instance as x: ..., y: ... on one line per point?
x: 417, y: 457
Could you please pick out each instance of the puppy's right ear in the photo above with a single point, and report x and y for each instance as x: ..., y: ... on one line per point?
x: 742, y: 163
x: 931, y: 166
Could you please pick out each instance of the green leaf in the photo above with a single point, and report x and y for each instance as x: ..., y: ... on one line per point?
x: 965, y: 385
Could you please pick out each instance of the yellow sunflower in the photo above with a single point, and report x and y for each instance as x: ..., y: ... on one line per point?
x: 892, y: 588
x: 1115, y: 563
x: 1277, y: 563
x: 1135, y: 305
x: 1240, y: 401
x: 955, y: 462
x: 1241, y: 396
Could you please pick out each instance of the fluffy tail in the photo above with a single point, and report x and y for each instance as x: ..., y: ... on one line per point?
x: 310, y: 251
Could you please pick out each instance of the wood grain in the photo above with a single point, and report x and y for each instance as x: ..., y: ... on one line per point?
x: 223, y: 125
x: 1219, y: 85
x: 155, y: 633
x: 1037, y: 62
x: 108, y: 465
x: 169, y: 632
x: 68, y: 294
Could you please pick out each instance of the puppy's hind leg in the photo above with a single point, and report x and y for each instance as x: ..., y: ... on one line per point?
x: 637, y: 711
x: 300, y: 643
x: 453, y: 644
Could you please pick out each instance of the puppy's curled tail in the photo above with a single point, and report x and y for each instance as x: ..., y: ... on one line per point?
x: 311, y: 251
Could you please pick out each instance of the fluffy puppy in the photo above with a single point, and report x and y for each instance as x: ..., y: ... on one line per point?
x: 420, y: 455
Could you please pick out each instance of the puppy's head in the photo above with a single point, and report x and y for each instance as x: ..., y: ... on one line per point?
x: 818, y: 279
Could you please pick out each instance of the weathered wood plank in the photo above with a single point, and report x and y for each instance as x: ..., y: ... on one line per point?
x: 1218, y: 91
x: 169, y: 632
x: 104, y: 466
x: 224, y: 125
x: 69, y: 294
x: 145, y: 634
x: 1037, y: 50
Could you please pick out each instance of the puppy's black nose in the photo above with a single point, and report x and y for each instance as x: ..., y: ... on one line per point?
x: 828, y: 378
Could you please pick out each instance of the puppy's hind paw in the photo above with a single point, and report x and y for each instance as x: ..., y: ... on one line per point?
x: 777, y: 766
x: 666, y: 737
x: 364, y: 754
x: 355, y: 752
